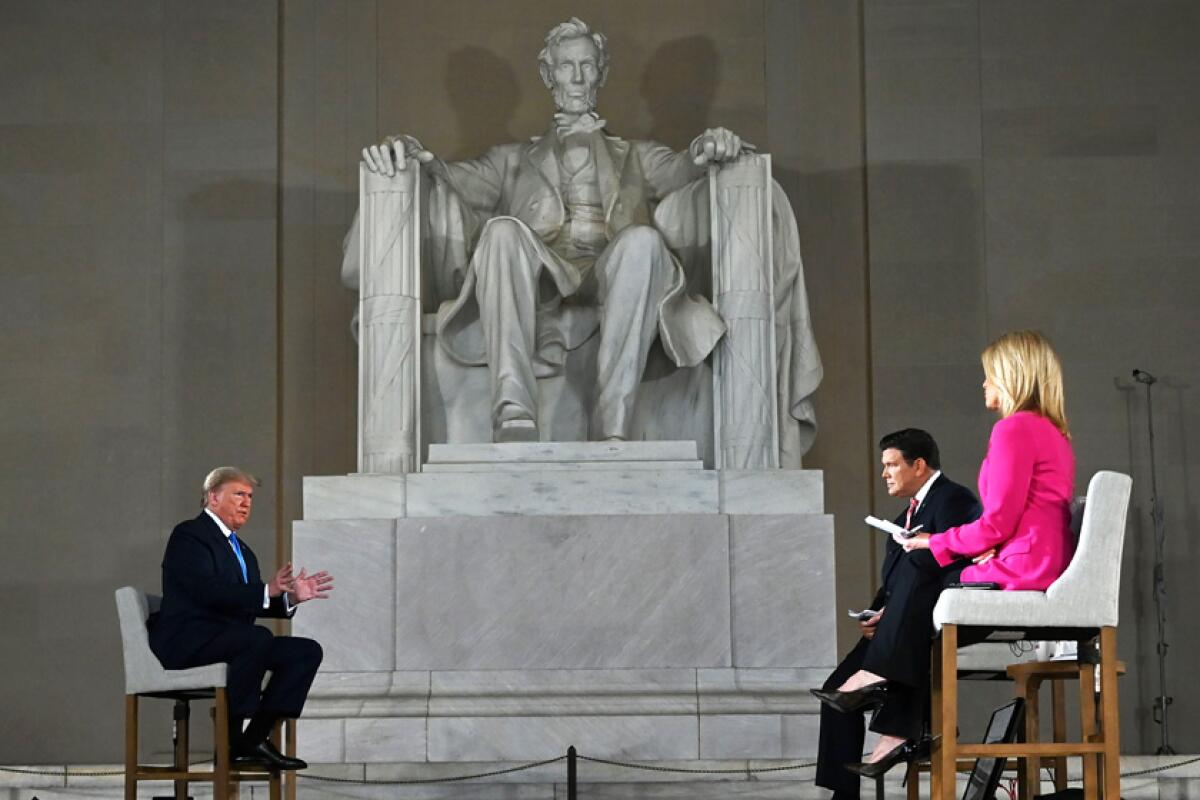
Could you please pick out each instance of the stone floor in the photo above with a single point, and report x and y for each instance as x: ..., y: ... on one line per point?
x: 548, y: 782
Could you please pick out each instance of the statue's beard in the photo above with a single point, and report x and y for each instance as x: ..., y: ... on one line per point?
x: 575, y: 105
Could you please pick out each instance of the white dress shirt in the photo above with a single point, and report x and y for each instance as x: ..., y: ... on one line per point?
x: 225, y: 530
x: 924, y: 490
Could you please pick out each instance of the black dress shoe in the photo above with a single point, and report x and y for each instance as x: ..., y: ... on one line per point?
x: 248, y: 763
x: 873, y: 769
x: 264, y: 754
x: 868, y: 696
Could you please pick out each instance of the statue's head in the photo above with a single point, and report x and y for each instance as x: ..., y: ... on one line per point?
x: 573, y: 65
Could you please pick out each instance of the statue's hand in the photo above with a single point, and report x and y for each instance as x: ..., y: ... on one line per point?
x: 716, y: 145
x: 393, y: 154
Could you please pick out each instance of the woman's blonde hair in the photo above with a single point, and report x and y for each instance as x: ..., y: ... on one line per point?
x: 1027, y: 375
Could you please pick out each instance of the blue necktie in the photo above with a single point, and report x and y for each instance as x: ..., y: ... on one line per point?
x: 237, y: 551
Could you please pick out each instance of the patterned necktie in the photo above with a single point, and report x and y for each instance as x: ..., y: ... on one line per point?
x: 912, y: 509
x: 237, y: 551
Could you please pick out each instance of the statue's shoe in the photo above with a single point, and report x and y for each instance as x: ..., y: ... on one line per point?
x: 516, y: 430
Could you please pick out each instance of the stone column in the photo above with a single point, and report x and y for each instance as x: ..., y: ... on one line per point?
x: 745, y: 422
x: 389, y: 353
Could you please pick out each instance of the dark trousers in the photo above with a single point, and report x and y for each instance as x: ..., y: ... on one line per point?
x: 899, y: 652
x: 252, y: 650
x: 900, y: 649
x: 841, y: 739
x: 842, y: 735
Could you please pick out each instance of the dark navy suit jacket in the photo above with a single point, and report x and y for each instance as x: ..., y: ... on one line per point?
x: 203, y: 591
x: 947, y: 505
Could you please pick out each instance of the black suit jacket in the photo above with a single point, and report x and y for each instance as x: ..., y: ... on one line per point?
x: 203, y: 591
x: 947, y: 505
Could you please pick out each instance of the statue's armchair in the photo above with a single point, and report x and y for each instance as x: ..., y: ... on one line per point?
x: 412, y: 393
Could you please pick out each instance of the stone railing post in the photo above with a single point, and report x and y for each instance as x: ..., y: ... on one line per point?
x: 745, y: 420
x: 389, y: 353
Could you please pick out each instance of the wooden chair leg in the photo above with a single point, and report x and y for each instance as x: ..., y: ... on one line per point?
x: 1027, y: 768
x: 1087, y: 729
x: 912, y: 781
x: 273, y: 780
x: 1058, y: 704
x: 1110, y: 724
x: 182, y: 715
x: 935, y: 716
x: 289, y: 733
x: 131, y: 746
x: 945, y: 715
x: 221, y: 776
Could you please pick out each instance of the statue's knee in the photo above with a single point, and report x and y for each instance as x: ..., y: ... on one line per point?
x: 503, y: 249
x: 642, y: 246
x: 502, y: 231
x: 639, y: 236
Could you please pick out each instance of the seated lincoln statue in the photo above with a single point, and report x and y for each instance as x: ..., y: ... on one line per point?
x: 542, y: 245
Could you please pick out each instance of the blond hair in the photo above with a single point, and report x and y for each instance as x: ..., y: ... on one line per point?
x: 1027, y: 375
x: 223, y: 475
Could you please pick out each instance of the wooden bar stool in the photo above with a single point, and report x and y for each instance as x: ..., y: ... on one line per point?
x: 146, y: 677
x: 1081, y: 605
x: 1029, y: 677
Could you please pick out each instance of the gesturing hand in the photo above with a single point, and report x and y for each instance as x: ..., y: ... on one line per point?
x: 282, y: 582
x: 305, y: 587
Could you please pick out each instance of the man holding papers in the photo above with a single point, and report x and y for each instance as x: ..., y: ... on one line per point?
x: 912, y: 471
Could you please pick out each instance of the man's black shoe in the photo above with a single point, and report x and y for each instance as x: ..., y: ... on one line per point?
x: 265, y: 754
x: 248, y: 762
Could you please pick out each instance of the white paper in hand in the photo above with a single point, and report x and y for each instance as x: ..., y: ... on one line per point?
x: 888, y: 527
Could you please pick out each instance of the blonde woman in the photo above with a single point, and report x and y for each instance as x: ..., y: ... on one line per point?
x: 1022, y: 540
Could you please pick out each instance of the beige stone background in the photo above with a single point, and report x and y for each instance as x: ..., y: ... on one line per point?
x: 176, y: 178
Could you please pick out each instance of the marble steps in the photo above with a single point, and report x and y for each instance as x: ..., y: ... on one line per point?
x: 533, y: 488
x: 562, y: 452
x: 554, y: 456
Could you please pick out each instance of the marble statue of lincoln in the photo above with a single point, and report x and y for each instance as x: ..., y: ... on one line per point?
x: 561, y: 244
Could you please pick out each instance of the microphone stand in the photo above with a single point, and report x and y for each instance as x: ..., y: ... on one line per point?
x: 1163, y: 701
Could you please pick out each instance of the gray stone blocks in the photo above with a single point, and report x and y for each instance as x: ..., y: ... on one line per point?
x: 500, y: 612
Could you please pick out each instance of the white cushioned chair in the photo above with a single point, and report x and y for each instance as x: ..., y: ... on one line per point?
x: 1081, y: 604
x: 145, y: 676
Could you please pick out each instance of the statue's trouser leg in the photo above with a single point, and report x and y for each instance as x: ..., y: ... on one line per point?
x: 506, y: 267
x: 632, y: 276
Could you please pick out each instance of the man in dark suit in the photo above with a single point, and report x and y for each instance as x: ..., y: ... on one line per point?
x: 212, y: 593
x: 912, y: 471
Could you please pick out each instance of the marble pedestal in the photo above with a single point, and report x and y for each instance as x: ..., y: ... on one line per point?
x: 512, y: 600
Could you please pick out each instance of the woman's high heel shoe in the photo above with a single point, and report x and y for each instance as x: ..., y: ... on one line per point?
x: 905, y: 751
x: 874, y: 769
x: 853, y: 700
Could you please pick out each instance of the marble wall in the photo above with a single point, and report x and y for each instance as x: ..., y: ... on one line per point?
x: 1035, y: 165
x: 176, y: 177
x: 138, y: 185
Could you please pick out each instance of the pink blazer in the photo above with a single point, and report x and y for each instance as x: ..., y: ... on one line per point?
x: 1025, y: 484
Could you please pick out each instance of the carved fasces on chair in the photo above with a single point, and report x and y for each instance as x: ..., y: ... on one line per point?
x: 745, y: 415
x: 389, y: 367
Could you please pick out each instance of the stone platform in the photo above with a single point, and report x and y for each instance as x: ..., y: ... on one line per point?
x: 512, y: 600
x: 596, y: 782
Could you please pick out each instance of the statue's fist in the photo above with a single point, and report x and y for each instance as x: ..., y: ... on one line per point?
x: 393, y: 154
x: 716, y: 145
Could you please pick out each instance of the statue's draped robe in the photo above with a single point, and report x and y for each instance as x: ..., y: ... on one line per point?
x: 642, y: 183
